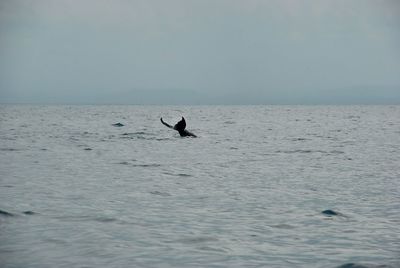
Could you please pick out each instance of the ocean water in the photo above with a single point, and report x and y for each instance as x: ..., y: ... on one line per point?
x: 250, y: 191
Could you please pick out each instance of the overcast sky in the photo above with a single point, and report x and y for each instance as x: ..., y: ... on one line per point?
x: 200, y: 51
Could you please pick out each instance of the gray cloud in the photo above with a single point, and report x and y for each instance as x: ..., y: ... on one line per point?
x: 198, y: 52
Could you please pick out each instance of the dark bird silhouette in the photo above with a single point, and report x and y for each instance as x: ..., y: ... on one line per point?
x: 180, y: 127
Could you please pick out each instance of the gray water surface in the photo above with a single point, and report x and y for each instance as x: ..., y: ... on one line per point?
x: 248, y: 192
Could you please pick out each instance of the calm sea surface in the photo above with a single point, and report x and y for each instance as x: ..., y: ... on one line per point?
x: 76, y: 191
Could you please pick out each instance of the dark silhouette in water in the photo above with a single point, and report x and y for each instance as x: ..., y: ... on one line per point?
x: 5, y: 213
x: 180, y: 127
x: 330, y: 212
x: 8, y: 214
x: 333, y: 213
x: 357, y: 265
x: 29, y: 212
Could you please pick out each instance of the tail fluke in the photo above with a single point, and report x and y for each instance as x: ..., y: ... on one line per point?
x: 181, y: 125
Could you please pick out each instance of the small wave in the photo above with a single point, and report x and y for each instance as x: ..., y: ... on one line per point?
x: 163, y: 139
x: 29, y: 212
x: 126, y: 162
x: 86, y: 218
x: 198, y: 239
x: 160, y: 193
x: 82, y: 145
x: 146, y: 165
x: 213, y: 249
x: 283, y: 226
x: 178, y: 174
x: 305, y: 151
x: 74, y: 139
x: 299, y: 139
x: 331, y: 138
x: 299, y: 151
x: 9, y: 138
x: 138, y: 135
x: 184, y: 175
x: 336, y: 152
x: 134, y: 133
x: 9, y: 149
x: 86, y: 134
x: 353, y: 116
x: 358, y: 265
x: 105, y: 219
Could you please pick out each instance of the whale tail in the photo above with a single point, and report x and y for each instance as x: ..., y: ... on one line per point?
x: 181, y: 125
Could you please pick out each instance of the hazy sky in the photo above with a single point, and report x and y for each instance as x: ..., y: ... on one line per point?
x: 200, y: 51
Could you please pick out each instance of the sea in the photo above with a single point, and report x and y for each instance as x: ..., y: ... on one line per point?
x: 260, y: 186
